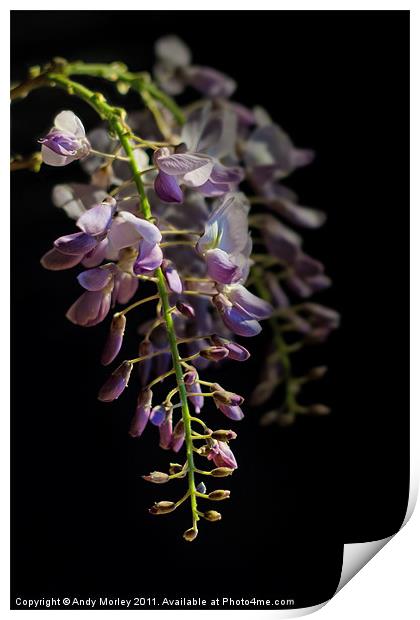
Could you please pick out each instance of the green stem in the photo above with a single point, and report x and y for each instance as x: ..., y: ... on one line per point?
x: 118, y: 72
x: 115, y: 116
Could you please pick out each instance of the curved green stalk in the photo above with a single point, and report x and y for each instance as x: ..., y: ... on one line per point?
x: 115, y: 117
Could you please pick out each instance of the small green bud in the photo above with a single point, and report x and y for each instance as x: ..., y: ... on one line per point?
x: 218, y: 495
x: 212, y: 515
x: 190, y: 534
x: 221, y: 472
x: 122, y: 87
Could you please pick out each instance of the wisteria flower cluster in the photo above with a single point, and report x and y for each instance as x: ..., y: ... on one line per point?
x: 190, y: 205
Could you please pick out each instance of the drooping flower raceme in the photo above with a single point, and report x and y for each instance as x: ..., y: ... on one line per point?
x: 171, y: 220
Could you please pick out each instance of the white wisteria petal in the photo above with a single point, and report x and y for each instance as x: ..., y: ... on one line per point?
x: 68, y: 121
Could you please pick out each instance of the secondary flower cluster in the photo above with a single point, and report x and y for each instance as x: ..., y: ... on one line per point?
x: 191, y: 248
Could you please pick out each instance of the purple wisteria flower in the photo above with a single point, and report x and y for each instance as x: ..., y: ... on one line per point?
x: 222, y: 455
x: 226, y: 243
x: 94, y: 304
x: 196, y: 162
x: 305, y: 275
x: 226, y: 246
x: 66, y: 141
x: 174, y: 71
x: 269, y: 153
x: 284, y: 202
x: 104, y: 235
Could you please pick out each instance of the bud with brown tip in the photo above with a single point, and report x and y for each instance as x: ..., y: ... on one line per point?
x: 218, y: 495
x: 190, y: 534
x: 221, y: 472
x: 212, y: 515
x: 161, y: 508
x: 158, y: 477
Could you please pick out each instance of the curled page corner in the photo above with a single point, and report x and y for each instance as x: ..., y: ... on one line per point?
x: 357, y: 555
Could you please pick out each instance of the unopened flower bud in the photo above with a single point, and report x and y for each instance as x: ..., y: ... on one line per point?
x: 158, y: 477
x: 142, y: 413
x: 116, y: 383
x: 222, y: 435
x: 286, y: 418
x: 185, y: 309
x: 178, y: 436
x: 219, y: 495
x: 318, y: 410
x: 227, y: 398
x: 316, y: 373
x: 221, y: 472
x: 235, y: 351
x: 161, y: 508
x: 114, y: 340
x: 165, y: 429
x: 215, y: 354
x: 233, y: 412
x: 269, y: 417
x: 212, y: 515
x: 145, y: 348
x: 171, y: 276
x: 190, y: 377
x: 190, y: 534
x: 263, y: 391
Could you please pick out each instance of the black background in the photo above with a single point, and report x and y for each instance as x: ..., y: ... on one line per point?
x: 338, y: 83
